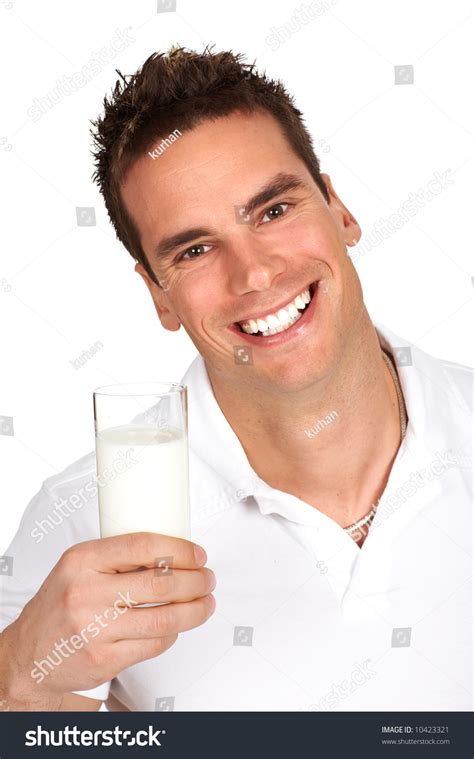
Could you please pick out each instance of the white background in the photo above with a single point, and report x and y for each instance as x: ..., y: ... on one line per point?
x: 64, y: 287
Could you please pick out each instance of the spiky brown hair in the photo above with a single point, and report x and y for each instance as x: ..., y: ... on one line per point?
x: 186, y: 88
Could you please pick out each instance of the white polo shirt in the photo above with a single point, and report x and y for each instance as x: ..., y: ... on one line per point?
x: 305, y: 619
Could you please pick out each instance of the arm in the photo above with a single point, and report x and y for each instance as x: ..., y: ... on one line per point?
x: 12, y: 699
x: 16, y: 695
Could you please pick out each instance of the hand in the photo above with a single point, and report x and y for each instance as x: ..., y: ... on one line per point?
x: 83, y: 616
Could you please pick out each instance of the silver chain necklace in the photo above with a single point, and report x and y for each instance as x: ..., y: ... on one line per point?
x: 403, y: 428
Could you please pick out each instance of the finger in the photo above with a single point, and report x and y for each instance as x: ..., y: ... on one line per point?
x: 124, y: 553
x: 161, y: 621
x: 157, y: 585
x: 126, y: 653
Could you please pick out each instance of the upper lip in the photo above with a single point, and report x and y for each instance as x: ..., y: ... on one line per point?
x: 274, y: 309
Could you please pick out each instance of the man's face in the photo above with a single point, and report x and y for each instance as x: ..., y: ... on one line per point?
x: 234, y: 266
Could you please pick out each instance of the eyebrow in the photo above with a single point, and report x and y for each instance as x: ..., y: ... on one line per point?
x: 279, y: 184
x: 168, y: 244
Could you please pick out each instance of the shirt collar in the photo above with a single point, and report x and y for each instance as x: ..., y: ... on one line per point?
x: 211, y: 438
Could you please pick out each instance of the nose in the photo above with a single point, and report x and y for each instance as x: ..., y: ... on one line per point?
x: 253, y: 265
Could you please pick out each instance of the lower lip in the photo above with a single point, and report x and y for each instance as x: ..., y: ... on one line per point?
x: 288, y: 334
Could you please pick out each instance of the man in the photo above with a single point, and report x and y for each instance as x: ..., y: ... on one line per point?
x: 329, y: 487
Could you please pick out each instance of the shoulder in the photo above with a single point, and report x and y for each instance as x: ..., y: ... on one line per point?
x: 459, y: 379
x: 53, y: 512
x: 446, y: 384
x: 438, y: 378
x: 75, y: 473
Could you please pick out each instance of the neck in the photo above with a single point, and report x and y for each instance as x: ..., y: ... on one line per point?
x: 332, y: 445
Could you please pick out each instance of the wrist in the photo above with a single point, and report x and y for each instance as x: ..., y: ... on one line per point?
x: 18, y: 691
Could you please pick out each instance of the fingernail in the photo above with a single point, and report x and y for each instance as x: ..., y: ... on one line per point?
x: 213, y: 580
x: 200, y: 555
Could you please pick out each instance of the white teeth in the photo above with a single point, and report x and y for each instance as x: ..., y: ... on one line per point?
x: 283, y: 316
x: 282, y: 329
x: 280, y: 321
x: 272, y: 321
x: 292, y: 310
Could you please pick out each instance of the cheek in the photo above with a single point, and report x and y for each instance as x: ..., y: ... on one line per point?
x: 193, y: 303
x: 323, y: 241
x: 308, y: 231
x: 305, y: 242
x: 199, y: 292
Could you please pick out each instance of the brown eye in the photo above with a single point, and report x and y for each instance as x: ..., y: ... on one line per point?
x: 193, y: 252
x: 275, y: 212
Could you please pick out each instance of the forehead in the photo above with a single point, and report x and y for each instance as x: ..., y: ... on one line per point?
x: 216, y: 164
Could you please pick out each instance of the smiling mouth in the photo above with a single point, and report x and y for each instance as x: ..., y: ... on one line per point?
x: 281, y: 320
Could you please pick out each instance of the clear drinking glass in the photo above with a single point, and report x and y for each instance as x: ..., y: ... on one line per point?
x: 142, y: 458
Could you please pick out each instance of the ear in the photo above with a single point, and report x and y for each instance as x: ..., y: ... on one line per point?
x: 164, y: 309
x: 348, y: 226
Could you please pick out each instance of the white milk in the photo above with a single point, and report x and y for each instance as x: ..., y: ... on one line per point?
x: 143, y: 480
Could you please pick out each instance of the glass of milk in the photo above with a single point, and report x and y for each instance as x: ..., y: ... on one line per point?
x: 142, y: 458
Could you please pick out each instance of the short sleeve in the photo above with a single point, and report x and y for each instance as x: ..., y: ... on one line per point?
x: 101, y: 692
